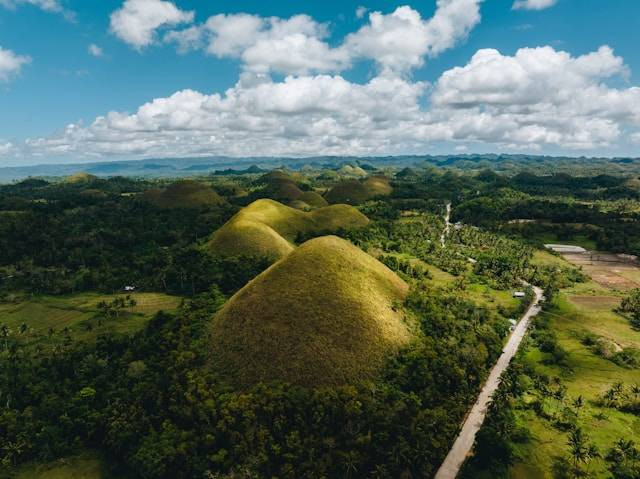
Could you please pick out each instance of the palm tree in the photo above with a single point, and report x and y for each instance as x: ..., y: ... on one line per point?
x: 578, y: 403
x: 578, y: 448
x: 635, y: 390
x: 592, y: 453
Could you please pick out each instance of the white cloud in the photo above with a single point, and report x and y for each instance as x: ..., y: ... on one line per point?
x: 361, y: 11
x: 533, y: 4
x: 95, y: 50
x: 292, y: 46
x: 136, y: 21
x: 298, y: 45
x: 539, y: 98
x: 54, y: 6
x: 11, y: 64
x: 6, y: 148
x: 400, y: 40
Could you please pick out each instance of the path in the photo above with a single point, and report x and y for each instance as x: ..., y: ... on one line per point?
x: 447, y: 224
x: 464, y: 442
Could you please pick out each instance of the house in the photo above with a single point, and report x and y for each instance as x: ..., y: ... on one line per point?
x: 519, y: 294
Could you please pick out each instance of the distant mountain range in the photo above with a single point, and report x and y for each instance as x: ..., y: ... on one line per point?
x: 180, y: 167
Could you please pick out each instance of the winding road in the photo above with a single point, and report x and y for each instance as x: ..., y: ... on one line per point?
x: 463, y: 444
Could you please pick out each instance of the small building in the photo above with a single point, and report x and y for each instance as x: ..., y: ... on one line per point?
x: 566, y: 248
x: 129, y: 288
x: 513, y: 322
x: 519, y: 294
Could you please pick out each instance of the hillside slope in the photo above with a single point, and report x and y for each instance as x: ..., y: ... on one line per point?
x: 268, y: 228
x: 321, y: 316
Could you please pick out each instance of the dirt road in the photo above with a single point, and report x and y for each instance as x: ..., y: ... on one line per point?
x: 447, y: 224
x: 464, y: 442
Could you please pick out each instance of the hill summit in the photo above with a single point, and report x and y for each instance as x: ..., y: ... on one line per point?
x: 268, y: 228
x: 321, y: 316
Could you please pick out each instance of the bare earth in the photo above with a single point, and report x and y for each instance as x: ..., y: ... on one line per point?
x: 464, y: 442
x: 607, y: 269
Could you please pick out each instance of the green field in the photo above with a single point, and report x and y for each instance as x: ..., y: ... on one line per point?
x: 82, y: 466
x: 47, y: 316
x: 585, y: 374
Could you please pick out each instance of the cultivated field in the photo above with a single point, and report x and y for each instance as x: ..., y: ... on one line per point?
x: 587, y: 308
x: 48, y: 316
x: 609, y: 270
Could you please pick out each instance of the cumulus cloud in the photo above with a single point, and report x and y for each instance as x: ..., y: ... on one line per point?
x: 533, y: 4
x: 136, y: 21
x: 361, y: 11
x: 11, y: 64
x: 539, y: 96
x: 535, y: 99
x: 292, y: 46
x: 54, y: 6
x: 400, y: 40
x: 95, y: 50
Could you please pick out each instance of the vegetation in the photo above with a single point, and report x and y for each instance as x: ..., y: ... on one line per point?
x: 355, y: 355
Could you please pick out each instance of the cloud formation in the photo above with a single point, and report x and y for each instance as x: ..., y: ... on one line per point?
x: 401, y: 40
x: 11, y: 64
x: 533, y: 4
x: 136, y: 21
x: 94, y: 50
x: 54, y: 6
x: 537, y: 98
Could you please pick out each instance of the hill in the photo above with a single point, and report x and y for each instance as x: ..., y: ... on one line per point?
x: 268, y: 228
x: 185, y: 194
x: 81, y: 177
x: 354, y: 192
x: 321, y: 316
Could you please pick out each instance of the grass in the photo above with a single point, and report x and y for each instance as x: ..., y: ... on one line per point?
x: 354, y: 192
x: 268, y: 228
x: 579, y: 311
x: 82, y: 466
x: 481, y: 294
x: 185, y: 194
x: 78, y: 313
x: 324, y: 315
x: 81, y: 177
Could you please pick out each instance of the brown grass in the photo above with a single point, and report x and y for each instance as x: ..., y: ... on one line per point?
x: 323, y: 315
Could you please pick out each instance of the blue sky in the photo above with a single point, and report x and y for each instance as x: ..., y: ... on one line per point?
x: 58, y: 82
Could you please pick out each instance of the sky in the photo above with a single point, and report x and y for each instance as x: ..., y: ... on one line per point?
x: 124, y: 79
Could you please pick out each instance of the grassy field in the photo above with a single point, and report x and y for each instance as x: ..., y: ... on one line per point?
x: 79, y: 313
x: 83, y: 466
x: 584, y: 309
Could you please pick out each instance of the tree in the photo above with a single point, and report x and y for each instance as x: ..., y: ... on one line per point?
x: 631, y: 305
x: 578, y: 448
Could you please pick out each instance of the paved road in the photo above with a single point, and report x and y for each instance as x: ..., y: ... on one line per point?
x: 464, y: 442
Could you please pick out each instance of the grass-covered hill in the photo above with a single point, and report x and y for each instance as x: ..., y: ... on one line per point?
x: 81, y: 177
x: 324, y: 315
x: 268, y: 228
x: 354, y: 192
x: 185, y: 194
